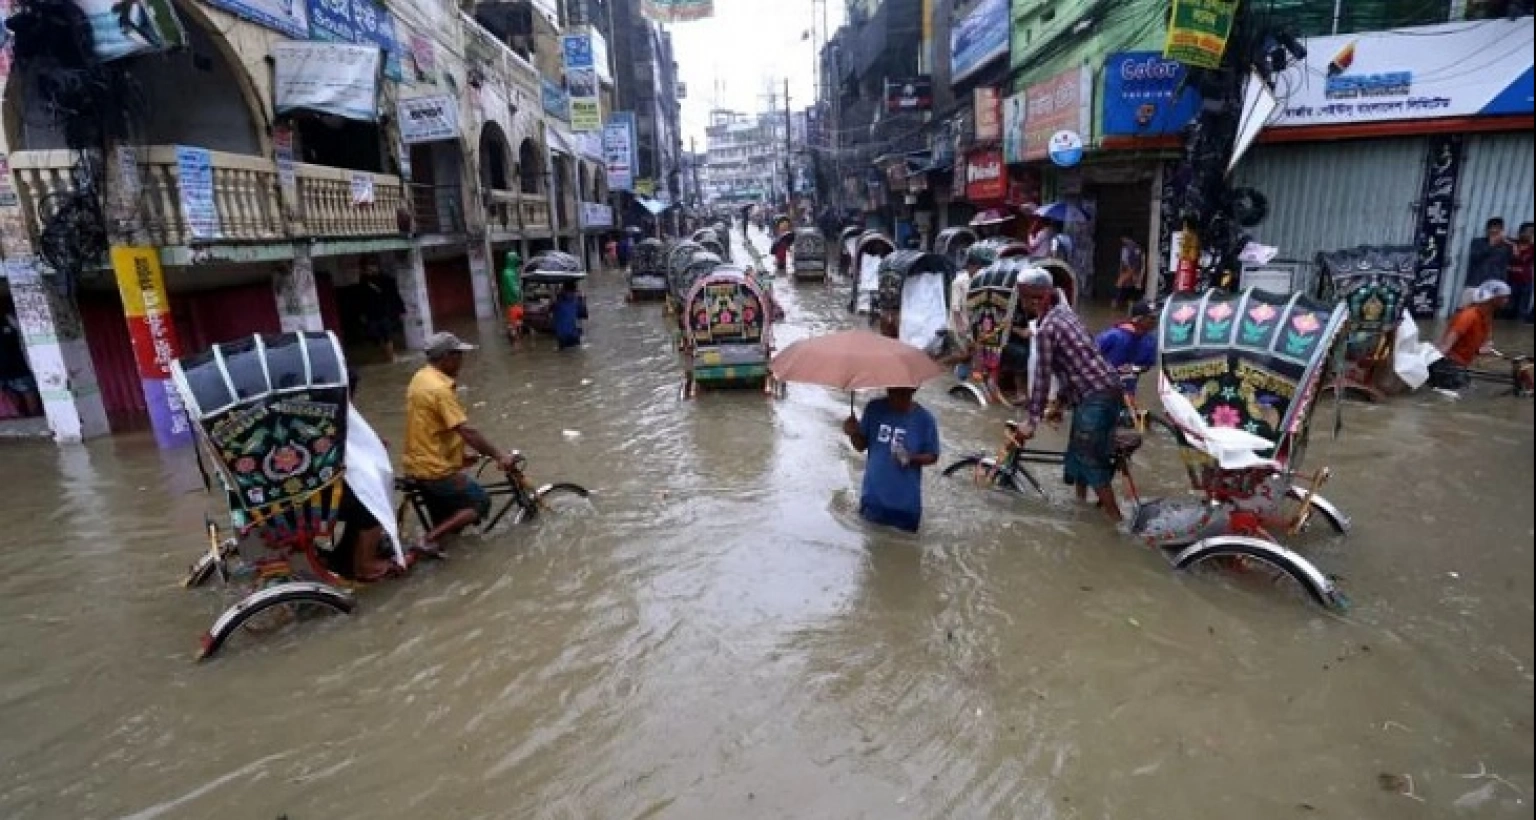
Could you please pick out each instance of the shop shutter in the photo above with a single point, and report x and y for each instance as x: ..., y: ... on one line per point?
x: 1327, y: 196
x: 1496, y: 179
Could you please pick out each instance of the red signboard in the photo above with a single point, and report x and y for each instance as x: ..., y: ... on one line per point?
x: 1061, y: 103
x: 986, y: 178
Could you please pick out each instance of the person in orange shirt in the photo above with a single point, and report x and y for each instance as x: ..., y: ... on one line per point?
x: 1469, y: 335
x: 436, y: 432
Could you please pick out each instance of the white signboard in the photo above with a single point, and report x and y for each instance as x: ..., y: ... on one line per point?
x: 330, y: 78
x: 619, y: 151
x: 429, y: 119
x: 1452, y: 70
x: 194, y: 178
x: 596, y: 215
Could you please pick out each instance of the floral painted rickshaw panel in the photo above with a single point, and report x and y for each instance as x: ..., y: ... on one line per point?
x: 1248, y: 360
x: 726, y: 312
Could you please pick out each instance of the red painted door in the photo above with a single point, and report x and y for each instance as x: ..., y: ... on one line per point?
x: 450, y: 290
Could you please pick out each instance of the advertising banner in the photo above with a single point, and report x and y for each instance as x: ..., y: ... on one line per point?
x: 1432, y: 234
x: 284, y: 16
x: 677, y: 11
x: 1146, y: 94
x: 619, y: 151
x: 329, y: 78
x: 979, y: 38
x: 989, y: 114
x: 141, y: 284
x: 428, y: 119
x: 1058, y: 104
x: 914, y: 94
x: 1198, y: 30
x: 194, y: 176
x: 556, y: 102
x: 1452, y: 70
x: 358, y: 21
x: 579, y: 59
x: 1015, y: 108
x: 586, y: 115
x: 119, y: 31
x: 986, y: 179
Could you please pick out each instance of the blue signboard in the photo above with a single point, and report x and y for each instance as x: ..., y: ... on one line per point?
x: 978, y: 39
x: 357, y: 21
x: 1146, y: 95
x: 577, y: 49
x: 557, y: 103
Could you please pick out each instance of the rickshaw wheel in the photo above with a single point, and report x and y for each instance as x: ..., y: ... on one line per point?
x: 1260, y: 562
x: 270, y: 609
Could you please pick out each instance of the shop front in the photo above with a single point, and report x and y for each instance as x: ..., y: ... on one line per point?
x: 1397, y: 144
x: 1145, y: 103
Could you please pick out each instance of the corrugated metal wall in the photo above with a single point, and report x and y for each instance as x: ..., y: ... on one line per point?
x: 1498, y: 177
x: 1326, y: 196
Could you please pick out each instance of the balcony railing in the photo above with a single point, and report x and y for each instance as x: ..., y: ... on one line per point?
x: 439, y: 209
x: 246, y: 195
x: 510, y: 211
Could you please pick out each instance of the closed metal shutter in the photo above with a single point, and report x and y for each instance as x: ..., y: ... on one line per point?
x: 1497, y: 179
x: 1327, y: 196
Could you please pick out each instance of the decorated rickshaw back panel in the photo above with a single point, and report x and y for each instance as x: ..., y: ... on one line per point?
x: 726, y: 310
x: 990, y: 303
x: 1248, y: 360
x: 650, y: 258
x: 1373, y: 284
x: 280, y: 437
x: 809, y: 246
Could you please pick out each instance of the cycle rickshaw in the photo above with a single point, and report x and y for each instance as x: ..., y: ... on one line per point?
x: 273, y: 415
x: 1240, y: 377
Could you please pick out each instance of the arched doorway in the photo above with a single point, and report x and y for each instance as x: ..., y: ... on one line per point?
x: 495, y: 159
x: 563, y: 192
x: 530, y: 167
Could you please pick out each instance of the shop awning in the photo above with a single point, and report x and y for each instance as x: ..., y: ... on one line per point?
x: 561, y: 142
x: 655, y: 206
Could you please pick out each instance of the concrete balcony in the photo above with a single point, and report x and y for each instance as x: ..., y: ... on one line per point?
x: 246, y: 195
x: 511, y: 214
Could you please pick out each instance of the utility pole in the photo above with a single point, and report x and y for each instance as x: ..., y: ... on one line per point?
x: 698, y: 190
x: 789, y: 169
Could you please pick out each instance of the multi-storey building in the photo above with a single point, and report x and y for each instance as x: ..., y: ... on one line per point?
x: 234, y: 200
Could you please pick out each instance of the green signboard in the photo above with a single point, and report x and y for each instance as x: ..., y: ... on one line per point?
x: 1198, y: 31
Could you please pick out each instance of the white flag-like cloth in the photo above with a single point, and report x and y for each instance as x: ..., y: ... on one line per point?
x: 922, y: 309
x: 371, y: 477
x: 1232, y: 448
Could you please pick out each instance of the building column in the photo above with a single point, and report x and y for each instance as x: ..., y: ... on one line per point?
x: 298, y: 301
x: 480, y: 277
x: 146, y: 308
x: 56, y: 350
x: 410, y: 275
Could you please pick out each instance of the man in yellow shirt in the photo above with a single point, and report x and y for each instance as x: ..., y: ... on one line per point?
x: 436, y: 431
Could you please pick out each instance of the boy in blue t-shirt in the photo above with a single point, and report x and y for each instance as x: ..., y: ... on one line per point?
x: 901, y: 438
x: 1131, y: 346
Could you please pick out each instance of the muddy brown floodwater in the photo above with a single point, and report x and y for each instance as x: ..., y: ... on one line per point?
x: 720, y: 638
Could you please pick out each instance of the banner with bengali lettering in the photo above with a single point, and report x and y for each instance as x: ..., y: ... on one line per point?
x: 1476, y: 69
x: 1198, y: 31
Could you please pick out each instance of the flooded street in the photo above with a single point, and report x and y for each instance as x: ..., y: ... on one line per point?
x: 720, y: 637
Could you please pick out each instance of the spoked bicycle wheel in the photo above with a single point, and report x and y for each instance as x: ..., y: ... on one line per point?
x: 1256, y: 563
x: 984, y: 469
x: 272, y: 610
x: 560, y: 498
